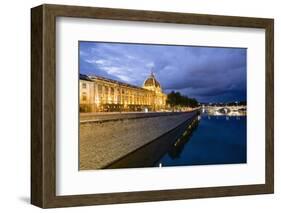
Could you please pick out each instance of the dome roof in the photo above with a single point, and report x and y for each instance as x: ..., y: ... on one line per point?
x: 151, y: 81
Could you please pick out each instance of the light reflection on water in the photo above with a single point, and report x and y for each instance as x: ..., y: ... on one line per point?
x: 215, y: 140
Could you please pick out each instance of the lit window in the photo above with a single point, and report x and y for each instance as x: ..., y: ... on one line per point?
x: 99, y: 89
x: 84, y: 96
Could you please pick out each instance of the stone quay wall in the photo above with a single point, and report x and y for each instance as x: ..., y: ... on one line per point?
x: 104, y: 141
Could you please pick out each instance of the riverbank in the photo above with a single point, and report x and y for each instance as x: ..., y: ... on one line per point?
x: 103, y: 141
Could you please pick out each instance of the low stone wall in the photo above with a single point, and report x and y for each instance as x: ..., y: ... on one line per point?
x: 103, y: 142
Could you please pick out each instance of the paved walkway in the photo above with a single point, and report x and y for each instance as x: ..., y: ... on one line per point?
x: 113, y: 116
x: 102, y: 143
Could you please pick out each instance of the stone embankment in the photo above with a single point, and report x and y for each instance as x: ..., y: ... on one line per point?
x: 105, y: 139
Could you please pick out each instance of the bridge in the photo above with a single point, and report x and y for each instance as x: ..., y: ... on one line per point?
x: 225, y: 110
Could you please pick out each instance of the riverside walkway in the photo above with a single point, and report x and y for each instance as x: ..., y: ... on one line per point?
x: 107, y: 137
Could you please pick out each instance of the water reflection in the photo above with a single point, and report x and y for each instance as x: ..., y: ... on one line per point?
x: 215, y: 140
x: 176, y: 149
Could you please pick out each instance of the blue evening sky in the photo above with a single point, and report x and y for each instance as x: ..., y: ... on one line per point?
x: 208, y: 74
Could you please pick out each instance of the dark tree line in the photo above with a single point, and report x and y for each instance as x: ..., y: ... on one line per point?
x: 175, y: 99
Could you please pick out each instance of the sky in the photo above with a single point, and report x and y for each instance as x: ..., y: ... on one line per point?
x: 209, y: 74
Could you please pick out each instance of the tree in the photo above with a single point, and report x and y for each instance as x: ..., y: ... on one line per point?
x: 175, y: 99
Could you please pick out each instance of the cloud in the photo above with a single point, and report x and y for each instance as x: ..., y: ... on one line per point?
x: 206, y: 73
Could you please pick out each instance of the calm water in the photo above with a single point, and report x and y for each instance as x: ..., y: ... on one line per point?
x: 216, y: 140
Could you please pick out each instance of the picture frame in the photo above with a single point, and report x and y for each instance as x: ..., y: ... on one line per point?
x: 43, y: 105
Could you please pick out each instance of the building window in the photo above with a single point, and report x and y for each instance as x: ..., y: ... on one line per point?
x: 84, y: 96
x: 99, y: 89
x: 84, y: 85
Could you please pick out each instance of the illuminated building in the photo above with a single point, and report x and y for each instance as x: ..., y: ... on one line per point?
x: 99, y: 94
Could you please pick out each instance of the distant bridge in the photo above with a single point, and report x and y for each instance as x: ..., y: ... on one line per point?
x: 225, y: 110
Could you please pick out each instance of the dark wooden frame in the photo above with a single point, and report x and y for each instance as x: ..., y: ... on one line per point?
x: 43, y: 105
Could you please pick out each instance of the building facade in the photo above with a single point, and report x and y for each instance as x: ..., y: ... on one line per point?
x: 98, y: 94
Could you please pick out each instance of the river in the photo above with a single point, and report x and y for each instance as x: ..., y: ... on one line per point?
x: 215, y: 140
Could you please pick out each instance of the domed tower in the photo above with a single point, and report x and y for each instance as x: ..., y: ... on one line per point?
x: 152, y: 84
x: 157, y: 99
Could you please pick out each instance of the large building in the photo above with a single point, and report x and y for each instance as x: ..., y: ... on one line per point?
x: 98, y: 94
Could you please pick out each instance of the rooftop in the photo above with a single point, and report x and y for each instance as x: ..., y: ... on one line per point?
x: 93, y: 77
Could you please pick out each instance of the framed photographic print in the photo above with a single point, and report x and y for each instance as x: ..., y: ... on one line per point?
x: 136, y: 106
